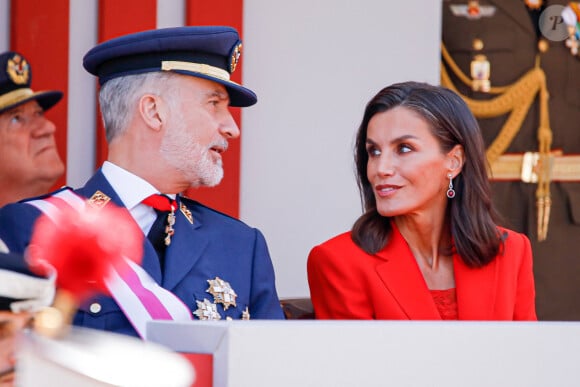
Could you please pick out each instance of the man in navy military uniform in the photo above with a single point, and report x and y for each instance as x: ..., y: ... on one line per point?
x: 165, y: 97
x: 29, y: 161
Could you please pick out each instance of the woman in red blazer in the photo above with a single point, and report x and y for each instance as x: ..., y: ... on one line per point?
x: 428, y: 246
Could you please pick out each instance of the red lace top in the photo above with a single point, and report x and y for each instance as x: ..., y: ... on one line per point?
x: 446, y: 301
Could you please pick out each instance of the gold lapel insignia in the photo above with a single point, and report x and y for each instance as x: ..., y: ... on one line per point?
x: 246, y: 314
x: 222, y: 292
x: 98, y: 200
x: 185, y: 211
x: 206, y: 310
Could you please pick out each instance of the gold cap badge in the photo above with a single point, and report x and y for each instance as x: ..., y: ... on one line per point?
x: 235, y: 57
x: 18, y: 70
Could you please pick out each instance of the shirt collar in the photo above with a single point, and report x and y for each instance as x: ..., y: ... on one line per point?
x: 131, y: 188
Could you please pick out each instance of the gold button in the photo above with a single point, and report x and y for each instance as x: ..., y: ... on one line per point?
x: 95, y: 307
x: 543, y: 45
x: 477, y: 44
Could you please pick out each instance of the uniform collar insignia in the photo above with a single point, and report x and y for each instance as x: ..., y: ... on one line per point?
x: 222, y: 292
x: 185, y: 211
x: 98, y: 200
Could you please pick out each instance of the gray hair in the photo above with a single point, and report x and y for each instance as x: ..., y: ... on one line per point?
x: 119, y: 95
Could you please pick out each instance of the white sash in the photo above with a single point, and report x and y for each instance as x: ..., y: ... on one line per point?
x: 136, y: 293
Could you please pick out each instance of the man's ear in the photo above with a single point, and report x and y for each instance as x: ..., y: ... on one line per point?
x: 456, y: 158
x: 151, y: 111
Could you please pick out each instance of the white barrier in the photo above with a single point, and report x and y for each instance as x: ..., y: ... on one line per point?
x: 381, y: 353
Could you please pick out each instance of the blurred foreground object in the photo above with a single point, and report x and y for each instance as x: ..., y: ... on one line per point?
x: 90, y: 358
x: 84, y: 245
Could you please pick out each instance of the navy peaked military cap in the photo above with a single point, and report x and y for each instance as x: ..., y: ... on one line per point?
x: 15, y: 79
x: 209, y: 52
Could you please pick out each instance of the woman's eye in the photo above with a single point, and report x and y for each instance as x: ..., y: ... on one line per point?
x: 373, y: 152
x: 404, y: 148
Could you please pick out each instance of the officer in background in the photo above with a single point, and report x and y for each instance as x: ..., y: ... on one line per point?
x: 521, y: 78
x: 29, y: 161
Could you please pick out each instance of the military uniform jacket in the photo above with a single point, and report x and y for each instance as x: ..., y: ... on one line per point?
x: 215, y: 245
x: 510, y: 43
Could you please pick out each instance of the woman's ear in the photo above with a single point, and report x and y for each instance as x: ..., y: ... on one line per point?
x: 456, y: 158
x: 151, y: 111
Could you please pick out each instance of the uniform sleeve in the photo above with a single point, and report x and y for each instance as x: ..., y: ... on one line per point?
x: 16, y: 225
x: 525, y: 308
x: 265, y: 303
x: 336, y: 286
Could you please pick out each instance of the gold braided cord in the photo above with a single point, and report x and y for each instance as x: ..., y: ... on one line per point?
x: 516, y: 99
x: 464, y: 78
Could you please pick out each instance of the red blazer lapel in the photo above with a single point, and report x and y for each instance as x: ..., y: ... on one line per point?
x: 476, y: 290
x: 404, y: 282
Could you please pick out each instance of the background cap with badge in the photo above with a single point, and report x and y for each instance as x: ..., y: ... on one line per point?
x: 15, y: 80
x: 209, y: 52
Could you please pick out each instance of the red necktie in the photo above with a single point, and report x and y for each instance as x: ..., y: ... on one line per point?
x: 162, y: 229
x: 160, y: 202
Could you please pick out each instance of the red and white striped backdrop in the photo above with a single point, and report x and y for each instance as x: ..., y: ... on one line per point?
x: 41, y: 31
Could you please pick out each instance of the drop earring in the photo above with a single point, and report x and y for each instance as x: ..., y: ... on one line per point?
x: 450, y: 191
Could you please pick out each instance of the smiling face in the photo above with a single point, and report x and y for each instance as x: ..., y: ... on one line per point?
x: 198, y: 131
x: 29, y: 159
x: 406, y: 167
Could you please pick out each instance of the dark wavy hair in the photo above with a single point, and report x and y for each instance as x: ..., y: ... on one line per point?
x: 470, y: 214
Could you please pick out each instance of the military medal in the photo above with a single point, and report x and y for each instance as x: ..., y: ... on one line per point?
x: 222, y: 292
x: 571, y: 15
x: 206, y: 310
x: 169, y: 230
x: 480, y: 71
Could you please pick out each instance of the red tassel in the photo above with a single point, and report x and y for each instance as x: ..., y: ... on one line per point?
x: 82, y: 246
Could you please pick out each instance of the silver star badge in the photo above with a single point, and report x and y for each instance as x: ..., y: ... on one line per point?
x: 222, y: 292
x: 206, y: 310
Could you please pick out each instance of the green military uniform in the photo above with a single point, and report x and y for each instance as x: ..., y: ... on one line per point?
x: 532, y: 67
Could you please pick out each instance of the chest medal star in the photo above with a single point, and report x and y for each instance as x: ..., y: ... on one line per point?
x: 206, y: 310
x: 222, y: 292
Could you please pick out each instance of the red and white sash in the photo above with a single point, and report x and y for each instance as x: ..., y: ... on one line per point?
x: 136, y: 293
